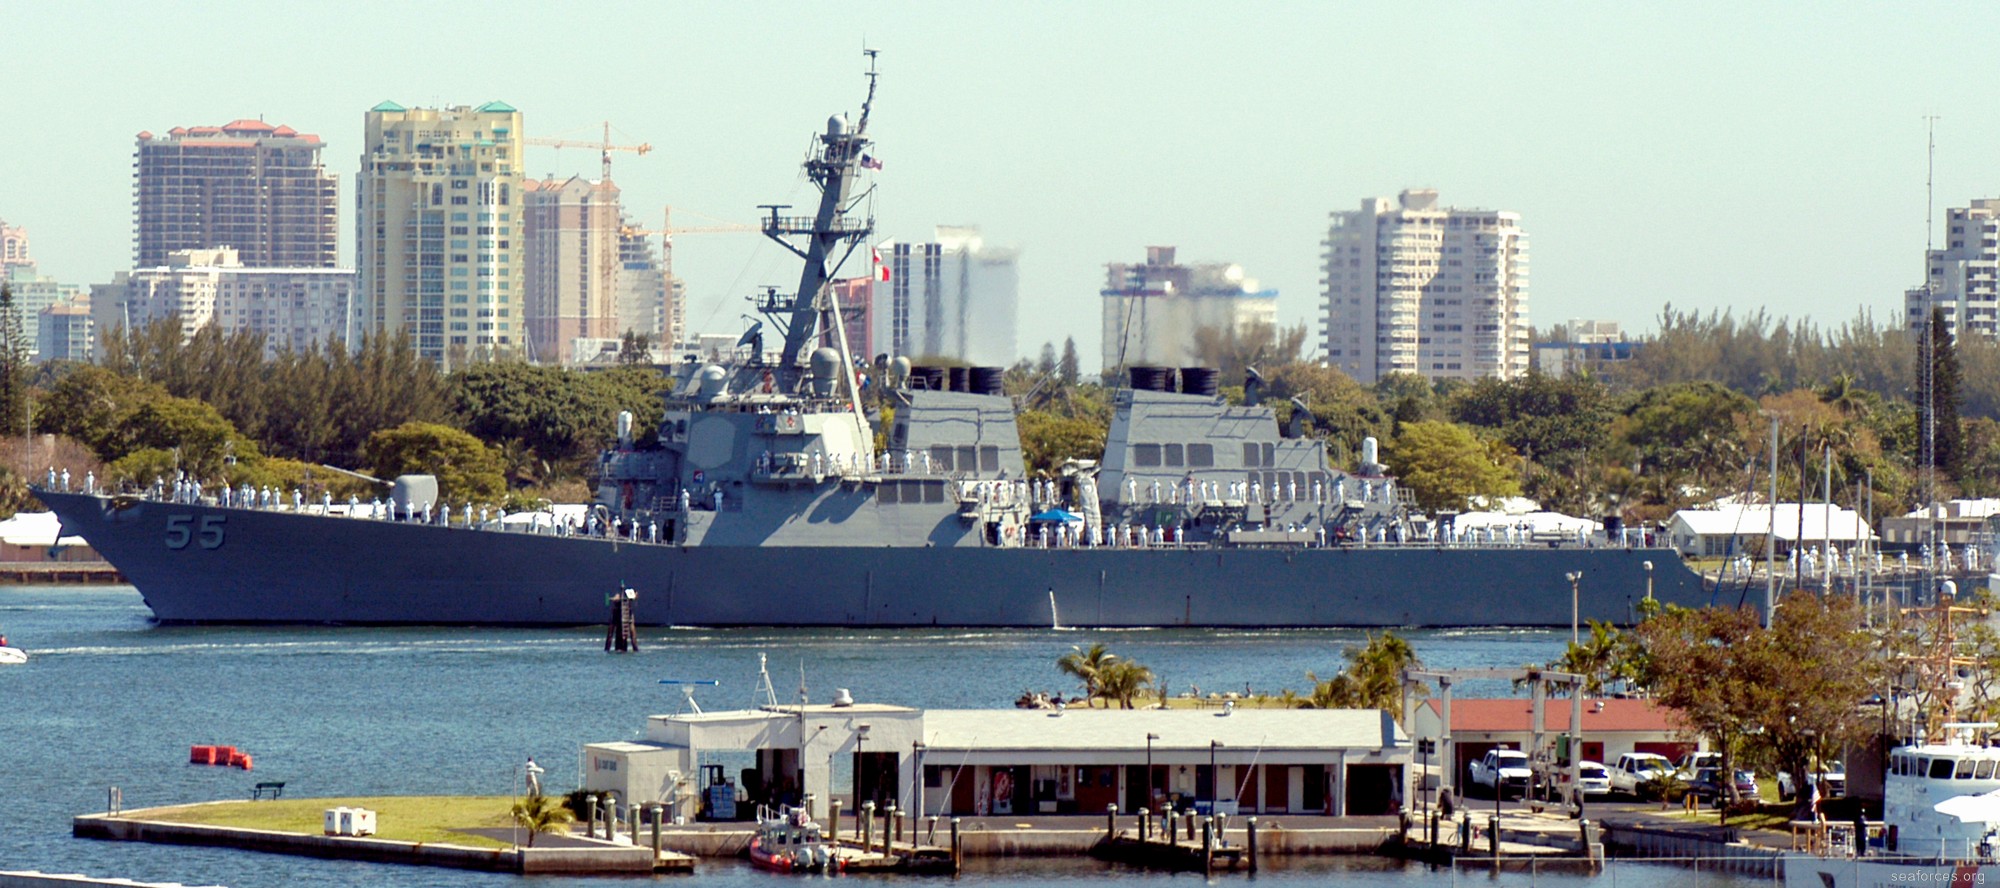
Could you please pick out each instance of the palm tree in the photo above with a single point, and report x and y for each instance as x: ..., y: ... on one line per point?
x: 1372, y: 679
x: 539, y: 814
x: 1088, y: 667
x: 1123, y: 681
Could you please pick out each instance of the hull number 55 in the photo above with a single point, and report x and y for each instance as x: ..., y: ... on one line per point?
x: 183, y: 529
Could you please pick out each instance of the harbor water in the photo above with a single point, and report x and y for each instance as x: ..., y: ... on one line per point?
x: 109, y: 699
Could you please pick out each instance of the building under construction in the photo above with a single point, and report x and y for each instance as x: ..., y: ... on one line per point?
x: 247, y: 185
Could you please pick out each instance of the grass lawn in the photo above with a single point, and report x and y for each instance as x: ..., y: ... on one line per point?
x: 403, y: 818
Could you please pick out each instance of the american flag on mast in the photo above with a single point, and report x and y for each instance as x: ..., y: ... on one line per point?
x: 881, y: 270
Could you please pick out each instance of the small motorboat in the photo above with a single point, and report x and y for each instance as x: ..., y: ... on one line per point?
x: 789, y: 841
x: 12, y: 656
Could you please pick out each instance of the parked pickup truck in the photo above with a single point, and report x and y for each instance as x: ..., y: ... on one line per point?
x: 1635, y: 768
x: 1502, y: 772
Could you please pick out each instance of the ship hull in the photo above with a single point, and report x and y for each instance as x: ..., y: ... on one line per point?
x: 206, y: 564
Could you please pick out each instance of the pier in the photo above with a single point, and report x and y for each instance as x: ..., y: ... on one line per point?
x: 59, y: 572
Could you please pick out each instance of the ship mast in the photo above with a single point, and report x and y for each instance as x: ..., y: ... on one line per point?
x: 835, y: 162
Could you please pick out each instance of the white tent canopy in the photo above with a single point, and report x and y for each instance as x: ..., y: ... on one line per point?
x: 36, y: 529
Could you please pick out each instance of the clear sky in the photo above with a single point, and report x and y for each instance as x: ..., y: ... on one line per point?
x: 1710, y: 155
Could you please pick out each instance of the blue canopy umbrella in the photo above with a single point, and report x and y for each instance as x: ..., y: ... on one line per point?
x: 1054, y: 516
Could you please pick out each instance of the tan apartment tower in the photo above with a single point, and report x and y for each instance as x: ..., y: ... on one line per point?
x: 572, y: 228
x: 247, y: 185
x: 438, y: 226
x: 1412, y: 287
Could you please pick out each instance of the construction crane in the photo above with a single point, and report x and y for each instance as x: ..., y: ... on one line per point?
x: 605, y: 146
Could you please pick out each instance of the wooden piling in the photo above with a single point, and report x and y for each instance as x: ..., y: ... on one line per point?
x: 1111, y: 821
x: 867, y: 826
x: 833, y: 834
x: 1145, y: 826
x: 1250, y: 842
x: 957, y: 847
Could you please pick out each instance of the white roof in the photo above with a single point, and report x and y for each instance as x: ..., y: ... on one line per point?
x: 36, y: 529
x: 1177, y: 729
x: 1755, y: 520
x: 1961, y: 508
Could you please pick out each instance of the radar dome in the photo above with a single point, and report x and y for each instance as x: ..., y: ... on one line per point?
x: 836, y: 125
x: 825, y: 365
x: 711, y: 381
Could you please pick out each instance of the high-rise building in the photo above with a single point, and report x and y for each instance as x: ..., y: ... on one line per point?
x: 293, y: 308
x: 35, y: 292
x: 250, y: 186
x: 572, y: 228
x: 440, y: 245
x: 1155, y: 311
x: 1963, y: 274
x: 954, y: 297
x: 65, y: 333
x: 13, y: 249
x: 646, y: 303
x: 1412, y: 287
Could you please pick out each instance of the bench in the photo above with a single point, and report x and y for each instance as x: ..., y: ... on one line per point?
x: 269, y: 789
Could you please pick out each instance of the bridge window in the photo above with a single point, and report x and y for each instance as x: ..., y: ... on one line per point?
x: 886, y: 493
x: 968, y: 458
x: 1201, y: 456
x: 1985, y: 770
x: 989, y: 458
x: 934, y: 493
x: 1173, y: 454
x: 912, y: 492
x: 1964, y: 770
x: 940, y: 458
x: 1252, y: 455
x: 1145, y: 455
x: 1940, y: 769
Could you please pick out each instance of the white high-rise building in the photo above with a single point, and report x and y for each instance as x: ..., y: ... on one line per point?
x: 1412, y: 287
x: 1962, y: 275
x: 1153, y: 311
x: 954, y: 297
x: 294, y: 308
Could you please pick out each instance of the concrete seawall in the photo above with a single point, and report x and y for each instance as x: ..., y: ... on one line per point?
x: 33, y: 879
x: 1064, y: 836
x: 609, y: 858
x: 1709, y: 850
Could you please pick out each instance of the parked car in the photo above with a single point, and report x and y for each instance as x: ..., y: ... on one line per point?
x: 1692, y: 763
x: 1502, y: 772
x: 1833, y: 783
x: 1594, y: 779
x: 1634, y: 769
x: 1707, y: 785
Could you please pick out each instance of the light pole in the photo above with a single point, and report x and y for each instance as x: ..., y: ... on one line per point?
x: 917, y: 775
x: 1214, y: 777
x: 860, y: 765
x: 1150, y: 737
x: 1648, y: 565
x: 1574, y: 604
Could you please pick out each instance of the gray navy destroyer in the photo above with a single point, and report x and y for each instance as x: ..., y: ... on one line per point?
x: 766, y: 499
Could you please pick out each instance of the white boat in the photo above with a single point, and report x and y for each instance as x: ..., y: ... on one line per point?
x: 1941, y: 823
x: 1940, y: 799
x: 788, y: 840
x: 12, y: 656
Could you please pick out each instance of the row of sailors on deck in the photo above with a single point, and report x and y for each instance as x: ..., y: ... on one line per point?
x: 62, y: 478
x: 1191, y: 491
x: 1847, y: 560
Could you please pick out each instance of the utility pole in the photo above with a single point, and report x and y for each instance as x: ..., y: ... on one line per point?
x: 1771, y: 537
